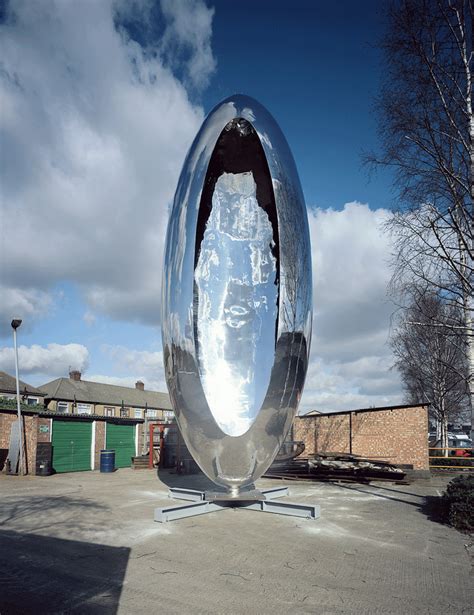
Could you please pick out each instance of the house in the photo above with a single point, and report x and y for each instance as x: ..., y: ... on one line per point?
x: 81, y: 397
x: 30, y: 395
x: 69, y: 442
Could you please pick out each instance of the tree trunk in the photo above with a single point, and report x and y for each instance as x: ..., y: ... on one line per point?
x: 470, y: 357
x: 469, y: 302
x: 444, y: 435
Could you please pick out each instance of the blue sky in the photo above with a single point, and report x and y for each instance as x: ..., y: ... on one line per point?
x: 315, y: 65
x: 100, y: 103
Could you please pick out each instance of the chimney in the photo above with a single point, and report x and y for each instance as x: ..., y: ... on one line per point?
x: 139, y: 385
x: 75, y: 375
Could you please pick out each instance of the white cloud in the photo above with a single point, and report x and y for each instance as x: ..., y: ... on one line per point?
x: 54, y: 360
x: 28, y: 304
x: 363, y: 383
x: 189, y: 33
x: 124, y: 381
x: 96, y: 127
x: 350, y: 359
x: 350, y: 272
x: 151, y: 384
x: 89, y: 318
x: 143, y: 365
x: 350, y: 362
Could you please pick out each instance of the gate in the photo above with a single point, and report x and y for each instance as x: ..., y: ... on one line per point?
x: 121, y: 438
x: 72, y: 441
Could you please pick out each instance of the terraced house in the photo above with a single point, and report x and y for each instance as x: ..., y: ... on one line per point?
x: 81, y: 397
x: 29, y: 395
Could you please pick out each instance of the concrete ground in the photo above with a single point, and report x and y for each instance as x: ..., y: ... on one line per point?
x: 87, y: 543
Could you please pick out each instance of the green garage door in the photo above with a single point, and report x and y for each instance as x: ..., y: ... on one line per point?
x: 72, y: 445
x: 121, y: 438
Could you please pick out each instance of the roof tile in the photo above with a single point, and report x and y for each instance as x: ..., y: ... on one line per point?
x: 96, y: 392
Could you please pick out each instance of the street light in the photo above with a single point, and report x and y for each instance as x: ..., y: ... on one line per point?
x: 16, y: 322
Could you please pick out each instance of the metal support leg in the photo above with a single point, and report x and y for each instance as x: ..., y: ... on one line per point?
x: 186, y: 494
x: 308, y: 511
x: 200, y: 506
x: 171, y: 513
x: 275, y: 492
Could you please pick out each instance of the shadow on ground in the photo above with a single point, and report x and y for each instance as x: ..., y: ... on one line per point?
x: 430, y: 505
x: 198, y: 481
x: 434, y: 507
x: 35, y: 513
x: 41, y: 574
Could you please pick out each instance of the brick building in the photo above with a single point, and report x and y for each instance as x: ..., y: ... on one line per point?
x: 81, y: 397
x: 29, y: 395
x: 76, y: 441
x: 397, y: 434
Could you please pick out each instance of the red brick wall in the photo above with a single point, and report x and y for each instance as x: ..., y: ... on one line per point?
x: 6, y: 421
x: 31, y: 428
x: 99, y: 442
x: 33, y: 435
x: 5, y: 426
x: 44, y: 436
x: 397, y: 435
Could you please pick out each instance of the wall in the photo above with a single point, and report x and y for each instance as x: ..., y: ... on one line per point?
x: 99, y: 410
x: 6, y: 421
x: 44, y: 429
x: 100, y: 427
x: 139, y: 438
x: 31, y: 428
x: 38, y: 429
x: 397, y: 435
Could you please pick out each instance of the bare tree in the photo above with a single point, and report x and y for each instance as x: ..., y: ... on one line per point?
x: 432, y: 361
x: 426, y: 128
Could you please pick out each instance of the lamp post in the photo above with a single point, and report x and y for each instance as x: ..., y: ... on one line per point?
x: 16, y: 322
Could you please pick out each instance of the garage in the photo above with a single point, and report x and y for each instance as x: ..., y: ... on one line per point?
x: 72, y: 441
x: 121, y: 438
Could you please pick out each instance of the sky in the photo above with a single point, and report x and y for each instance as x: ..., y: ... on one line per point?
x: 100, y: 102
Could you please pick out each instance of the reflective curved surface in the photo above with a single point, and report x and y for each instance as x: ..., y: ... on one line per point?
x: 237, y: 297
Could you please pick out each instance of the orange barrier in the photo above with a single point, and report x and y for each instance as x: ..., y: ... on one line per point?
x: 460, y: 453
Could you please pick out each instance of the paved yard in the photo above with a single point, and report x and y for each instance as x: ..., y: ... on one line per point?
x: 87, y: 543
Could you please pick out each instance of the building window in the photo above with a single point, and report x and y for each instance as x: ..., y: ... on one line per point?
x: 124, y: 413
x: 62, y: 407
x: 138, y: 414
x: 169, y: 415
x: 152, y: 414
x: 84, y: 409
x: 109, y: 411
x: 32, y: 401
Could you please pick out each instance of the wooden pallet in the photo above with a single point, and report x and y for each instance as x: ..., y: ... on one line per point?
x: 140, y: 463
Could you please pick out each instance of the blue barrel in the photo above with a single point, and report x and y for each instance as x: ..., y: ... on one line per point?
x: 107, y: 461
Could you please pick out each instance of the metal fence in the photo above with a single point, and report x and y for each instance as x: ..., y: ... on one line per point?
x: 457, y: 458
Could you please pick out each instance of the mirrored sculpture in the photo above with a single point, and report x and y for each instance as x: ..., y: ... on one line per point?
x: 237, y: 298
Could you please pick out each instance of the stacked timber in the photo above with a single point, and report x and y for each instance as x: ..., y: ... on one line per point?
x: 140, y: 463
x: 328, y: 466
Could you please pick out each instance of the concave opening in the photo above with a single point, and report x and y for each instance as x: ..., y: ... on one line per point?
x: 236, y: 278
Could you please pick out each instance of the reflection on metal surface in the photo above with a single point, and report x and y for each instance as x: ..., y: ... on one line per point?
x: 237, y: 294
x: 237, y: 300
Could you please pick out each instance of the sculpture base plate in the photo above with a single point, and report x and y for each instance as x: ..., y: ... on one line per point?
x: 249, y: 495
x: 200, y: 505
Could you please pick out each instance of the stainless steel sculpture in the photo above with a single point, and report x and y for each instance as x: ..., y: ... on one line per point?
x: 237, y: 298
